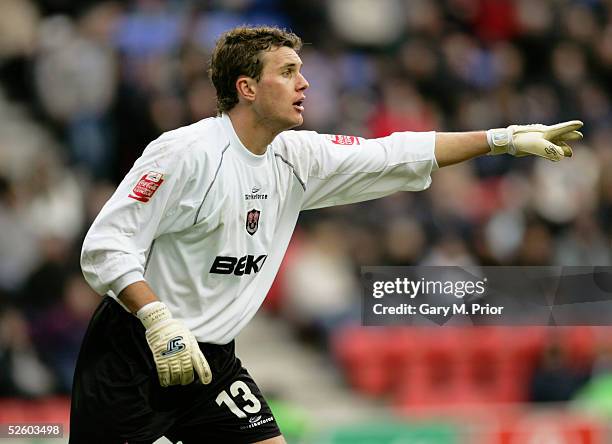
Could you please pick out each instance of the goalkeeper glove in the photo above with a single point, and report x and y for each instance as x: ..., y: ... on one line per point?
x: 549, y: 141
x: 175, y: 349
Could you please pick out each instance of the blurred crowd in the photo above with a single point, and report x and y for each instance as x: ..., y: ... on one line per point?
x: 85, y: 85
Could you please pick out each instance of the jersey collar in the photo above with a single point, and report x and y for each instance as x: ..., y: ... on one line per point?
x: 237, y: 146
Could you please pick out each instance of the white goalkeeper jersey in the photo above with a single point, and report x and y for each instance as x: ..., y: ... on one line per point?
x: 206, y: 222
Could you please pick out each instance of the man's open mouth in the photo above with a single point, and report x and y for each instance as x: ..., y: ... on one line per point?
x: 299, y: 105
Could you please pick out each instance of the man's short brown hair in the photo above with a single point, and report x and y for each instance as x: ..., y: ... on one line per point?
x: 239, y: 52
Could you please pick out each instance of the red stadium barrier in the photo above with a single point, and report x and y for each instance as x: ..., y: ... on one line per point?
x: 458, y: 365
x: 47, y: 410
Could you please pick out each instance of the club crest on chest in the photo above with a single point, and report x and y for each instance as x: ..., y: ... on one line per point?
x: 252, y: 221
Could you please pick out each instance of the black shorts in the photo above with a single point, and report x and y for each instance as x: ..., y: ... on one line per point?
x: 116, y: 396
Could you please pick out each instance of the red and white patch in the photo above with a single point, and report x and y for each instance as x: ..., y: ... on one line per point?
x: 147, y: 186
x: 339, y: 139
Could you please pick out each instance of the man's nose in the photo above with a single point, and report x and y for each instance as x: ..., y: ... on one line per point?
x: 302, y: 83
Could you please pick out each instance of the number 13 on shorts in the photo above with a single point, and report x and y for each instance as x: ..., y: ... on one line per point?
x: 239, y: 388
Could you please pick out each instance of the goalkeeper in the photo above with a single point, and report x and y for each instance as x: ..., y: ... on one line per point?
x: 188, y: 246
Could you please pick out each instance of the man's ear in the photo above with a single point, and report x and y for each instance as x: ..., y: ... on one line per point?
x: 246, y: 87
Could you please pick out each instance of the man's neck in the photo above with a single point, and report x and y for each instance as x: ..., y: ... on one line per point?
x: 254, y: 134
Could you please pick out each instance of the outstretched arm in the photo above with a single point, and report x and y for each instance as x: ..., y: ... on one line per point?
x: 548, y: 141
x: 453, y: 148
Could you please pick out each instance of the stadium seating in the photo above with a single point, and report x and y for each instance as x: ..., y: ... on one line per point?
x: 454, y: 365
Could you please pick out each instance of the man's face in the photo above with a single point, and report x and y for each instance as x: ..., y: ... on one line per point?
x: 280, y: 91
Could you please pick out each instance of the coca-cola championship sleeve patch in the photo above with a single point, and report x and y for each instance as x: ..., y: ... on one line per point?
x: 339, y: 139
x: 146, y: 187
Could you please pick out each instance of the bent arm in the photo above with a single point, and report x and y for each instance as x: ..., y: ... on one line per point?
x: 137, y: 295
x: 147, y: 204
x: 452, y: 148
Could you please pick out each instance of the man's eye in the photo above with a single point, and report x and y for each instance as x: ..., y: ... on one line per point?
x: 287, y: 73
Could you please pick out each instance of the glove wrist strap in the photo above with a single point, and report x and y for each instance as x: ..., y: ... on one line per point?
x: 153, y: 313
x: 499, y: 140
